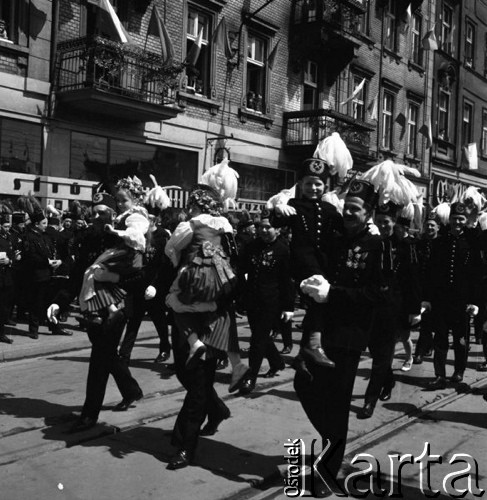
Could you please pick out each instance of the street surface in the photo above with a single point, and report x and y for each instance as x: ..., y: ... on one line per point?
x: 125, y: 456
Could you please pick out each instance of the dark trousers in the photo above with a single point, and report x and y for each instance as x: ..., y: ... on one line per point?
x: 158, y: 314
x: 425, y: 339
x: 5, y: 294
x: 285, y: 328
x: 381, y: 347
x: 41, y: 294
x: 201, y: 399
x: 262, y: 346
x: 448, y: 317
x: 326, y: 400
x: 104, y: 361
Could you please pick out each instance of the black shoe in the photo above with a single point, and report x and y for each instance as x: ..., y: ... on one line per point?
x: 418, y: 359
x: 211, y: 427
x: 247, y: 386
x: 162, y: 356
x: 366, y: 412
x: 317, y: 356
x: 179, y: 461
x: 221, y: 364
x: 286, y: 350
x: 438, y: 383
x: 386, y: 393
x: 274, y: 371
x: 457, y: 377
x: 11, y: 322
x: 4, y: 338
x: 62, y: 331
x: 82, y: 424
x: 428, y: 354
x: 482, y: 367
x: 192, y: 361
x: 34, y: 336
x: 125, y: 404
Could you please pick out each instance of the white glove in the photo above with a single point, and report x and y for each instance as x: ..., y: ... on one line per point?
x: 373, y: 229
x: 285, y: 210
x: 287, y: 316
x: 472, y: 309
x: 52, y: 312
x: 150, y: 292
x: 317, y: 287
x: 425, y: 306
x: 414, y: 319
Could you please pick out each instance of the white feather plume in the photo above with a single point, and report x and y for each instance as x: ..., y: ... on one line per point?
x: 442, y: 211
x: 337, y: 200
x: 334, y: 151
x: 224, y: 180
x: 50, y: 209
x: 483, y: 221
x: 472, y: 194
x: 390, y: 180
x: 281, y: 198
x: 157, y: 196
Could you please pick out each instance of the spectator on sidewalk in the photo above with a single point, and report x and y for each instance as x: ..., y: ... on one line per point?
x: 7, y: 258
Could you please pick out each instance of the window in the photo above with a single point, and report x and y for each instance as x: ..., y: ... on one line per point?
x: 256, y: 73
x: 306, y: 11
x: 387, y: 122
x: 447, y: 29
x: 484, y: 133
x: 9, y: 21
x: 199, y: 73
x: 310, y: 86
x: 391, y: 24
x: 467, y: 121
x: 362, y: 20
x: 469, y: 45
x: 94, y: 158
x: 20, y: 146
x: 485, y: 56
x: 416, y: 46
x: 360, y: 100
x: 413, y: 116
x: 443, y: 115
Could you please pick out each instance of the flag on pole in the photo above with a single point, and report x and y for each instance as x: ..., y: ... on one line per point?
x: 429, y: 40
x: 110, y: 23
x: 451, y: 39
x: 272, y: 56
x: 373, y: 108
x: 426, y: 131
x: 470, y: 155
x: 408, y: 19
x: 220, y: 38
x: 356, y: 91
x: 194, y: 52
x: 157, y: 27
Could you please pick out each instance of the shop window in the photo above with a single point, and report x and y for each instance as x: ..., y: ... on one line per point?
x: 20, y: 146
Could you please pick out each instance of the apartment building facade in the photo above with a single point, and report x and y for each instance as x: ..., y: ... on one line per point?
x: 77, y: 106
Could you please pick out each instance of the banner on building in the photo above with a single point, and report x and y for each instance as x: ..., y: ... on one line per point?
x: 470, y: 156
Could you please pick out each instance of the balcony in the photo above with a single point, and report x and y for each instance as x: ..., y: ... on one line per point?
x: 324, y: 28
x: 102, y: 77
x: 307, y: 128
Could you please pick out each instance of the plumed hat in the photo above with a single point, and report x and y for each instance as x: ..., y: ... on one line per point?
x: 364, y: 190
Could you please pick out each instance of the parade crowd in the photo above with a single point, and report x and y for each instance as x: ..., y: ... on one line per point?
x: 367, y: 262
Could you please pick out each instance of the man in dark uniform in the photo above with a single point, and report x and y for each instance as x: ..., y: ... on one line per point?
x: 7, y: 258
x: 351, y: 295
x: 452, y: 293
x: 17, y: 298
x: 267, y: 295
x: 399, y: 312
x: 424, y: 345
x: 105, y: 337
x: 40, y: 262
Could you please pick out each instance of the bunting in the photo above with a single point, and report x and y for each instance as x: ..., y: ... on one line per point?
x: 470, y: 156
x: 156, y: 27
x: 373, y: 108
x: 357, y: 90
x: 429, y: 41
x: 220, y: 38
x: 109, y: 22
